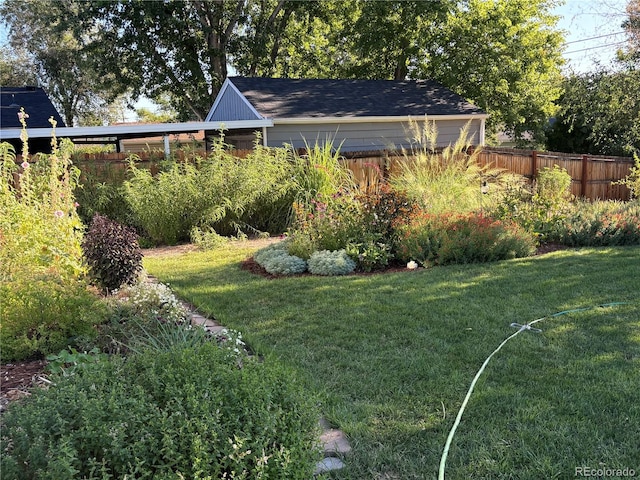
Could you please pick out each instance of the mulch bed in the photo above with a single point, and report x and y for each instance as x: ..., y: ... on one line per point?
x: 250, y: 265
x: 18, y: 378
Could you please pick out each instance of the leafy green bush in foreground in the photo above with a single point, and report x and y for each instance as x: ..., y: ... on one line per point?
x: 185, y: 413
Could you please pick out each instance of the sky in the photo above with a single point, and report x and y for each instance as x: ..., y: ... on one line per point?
x: 585, y: 19
x: 592, y: 29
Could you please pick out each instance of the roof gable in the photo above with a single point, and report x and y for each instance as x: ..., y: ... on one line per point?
x: 36, y: 104
x: 308, y: 98
x: 231, y: 105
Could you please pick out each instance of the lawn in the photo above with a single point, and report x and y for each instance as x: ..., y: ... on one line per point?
x: 393, y: 356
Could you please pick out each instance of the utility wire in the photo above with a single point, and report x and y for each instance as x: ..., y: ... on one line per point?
x: 595, y: 48
x: 593, y: 38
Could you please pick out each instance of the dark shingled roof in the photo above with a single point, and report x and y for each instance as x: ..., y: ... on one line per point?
x: 291, y: 98
x: 36, y: 104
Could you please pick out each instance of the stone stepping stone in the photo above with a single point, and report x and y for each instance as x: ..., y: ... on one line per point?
x: 327, y: 465
x: 334, y: 443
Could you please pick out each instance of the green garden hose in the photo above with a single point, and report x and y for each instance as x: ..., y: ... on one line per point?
x: 526, y: 326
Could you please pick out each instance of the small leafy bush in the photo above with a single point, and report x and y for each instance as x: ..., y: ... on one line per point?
x: 207, y: 239
x: 370, y: 254
x: 632, y: 181
x: 219, y: 191
x: 69, y: 361
x: 112, y: 253
x: 43, y: 314
x: 182, y: 413
x: 446, y: 239
x: 276, y: 260
x: 600, y: 224
x: 326, y: 262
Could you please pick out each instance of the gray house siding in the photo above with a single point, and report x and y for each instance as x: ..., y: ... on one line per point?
x: 230, y: 106
x: 364, y: 136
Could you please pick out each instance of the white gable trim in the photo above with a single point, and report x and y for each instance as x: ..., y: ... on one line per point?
x: 225, y: 86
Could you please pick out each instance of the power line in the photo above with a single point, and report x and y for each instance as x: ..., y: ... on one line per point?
x: 594, y: 48
x: 593, y: 38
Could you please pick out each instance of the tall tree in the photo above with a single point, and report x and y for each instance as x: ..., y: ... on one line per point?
x: 599, y: 113
x: 505, y: 56
x: 388, y: 38
x: 41, y: 40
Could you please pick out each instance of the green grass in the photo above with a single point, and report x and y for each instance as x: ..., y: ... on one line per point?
x: 394, y: 355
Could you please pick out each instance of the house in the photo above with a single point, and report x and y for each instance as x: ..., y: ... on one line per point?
x: 359, y: 115
x: 37, y: 105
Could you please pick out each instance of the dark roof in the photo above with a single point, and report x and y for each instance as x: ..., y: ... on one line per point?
x: 290, y: 98
x: 36, y: 104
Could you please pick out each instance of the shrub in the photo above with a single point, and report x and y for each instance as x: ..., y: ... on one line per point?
x: 112, y: 253
x: 138, y: 310
x: 370, y: 254
x: 207, y: 239
x: 551, y: 199
x: 632, y: 181
x: 600, y: 224
x: 220, y: 191
x: 326, y: 262
x: 100, y: 191
x: 184, y: 413
x: 45, y: 306
x: 446, y: 239
x: 329, y: 223
x: 45, y: 313
x: 276, y: 260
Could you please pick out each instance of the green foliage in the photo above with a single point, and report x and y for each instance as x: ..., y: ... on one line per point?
x: 505, y: 56
x: 447, y: 239
x: 276, y: 260
x: 319, y: 174
x: 370, y: 254
x: 220, y: 191
x: 112, y: 253
x: 326, y: 262
x: 599, y: 224
x: 69, y: 361
x: 599, y: 114
x: 207, y: 239
x: 183, y: 413
x: 632, y: 181
x: 100, y: 191
x: 44, y: 313
x: 44, y: 304
x: 39, y: 227
x: 444, y: 181
x: 138, y: 312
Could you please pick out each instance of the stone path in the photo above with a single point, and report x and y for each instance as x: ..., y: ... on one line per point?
x: 333, y: 442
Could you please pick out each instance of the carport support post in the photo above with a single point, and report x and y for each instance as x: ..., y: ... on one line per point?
x: 167, y: 149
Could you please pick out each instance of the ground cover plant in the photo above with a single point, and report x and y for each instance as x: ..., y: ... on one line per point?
x: 394, y: 355
x: 170, y: 401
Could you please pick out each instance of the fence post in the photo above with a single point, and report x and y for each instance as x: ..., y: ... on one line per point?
x: 534, y: 164
x: 583, y: 180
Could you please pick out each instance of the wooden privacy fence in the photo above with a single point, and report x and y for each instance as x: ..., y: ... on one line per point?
x: 592, y: 175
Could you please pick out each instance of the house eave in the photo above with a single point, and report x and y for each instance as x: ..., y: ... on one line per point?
x: 151, y: 129
x: 374, y: 119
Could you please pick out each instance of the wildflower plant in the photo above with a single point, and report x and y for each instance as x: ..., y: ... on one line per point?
x: 45, y: 300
